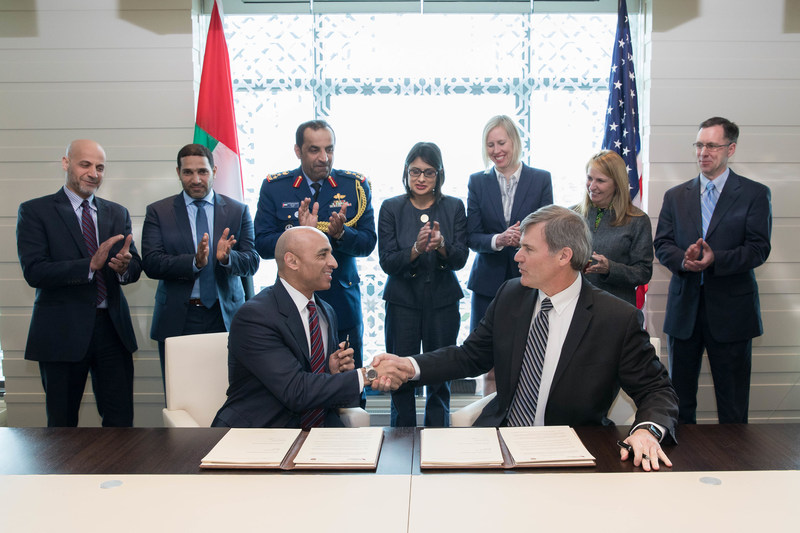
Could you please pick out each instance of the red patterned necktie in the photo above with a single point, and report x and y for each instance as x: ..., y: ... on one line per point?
x: 90, y: 237
x: 314, y: 417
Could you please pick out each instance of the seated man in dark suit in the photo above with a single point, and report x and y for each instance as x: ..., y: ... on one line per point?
x: 560, y: 347
x: 286, y: 367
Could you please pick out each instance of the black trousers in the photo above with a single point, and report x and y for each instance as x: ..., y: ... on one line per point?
x: 111, y: 368
x: 406, y: 329
x: 730, y: 364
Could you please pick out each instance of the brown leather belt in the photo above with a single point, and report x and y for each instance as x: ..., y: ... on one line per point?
x: 196, y: 302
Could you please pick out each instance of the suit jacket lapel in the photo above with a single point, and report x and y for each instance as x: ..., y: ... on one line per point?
x: 67, y: 214
x: 183, y: 225
x: 729, y: 196
x: 103, y: 220
x: 494, y: 198
x: 523, y: 186
x: 581, y: 319
x: 520, y: 321
x: 692, y: 203
x: 220, y: 217
x: 287, y: 308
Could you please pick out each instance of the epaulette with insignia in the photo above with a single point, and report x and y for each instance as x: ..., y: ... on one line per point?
x: 279, y: 175
x: 360, y: 177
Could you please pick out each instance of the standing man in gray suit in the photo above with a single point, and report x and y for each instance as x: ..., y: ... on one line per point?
x: 199, y: 245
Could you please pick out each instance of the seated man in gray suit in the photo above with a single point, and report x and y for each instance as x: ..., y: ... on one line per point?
x: 561, y: 348
x: 286, y: 367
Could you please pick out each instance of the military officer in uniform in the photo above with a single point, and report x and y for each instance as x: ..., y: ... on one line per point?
x: 337, y: 202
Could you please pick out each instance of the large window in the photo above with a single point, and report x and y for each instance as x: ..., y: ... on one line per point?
x: 387, y: 81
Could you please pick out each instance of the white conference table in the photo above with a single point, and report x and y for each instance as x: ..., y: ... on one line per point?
x: 760, y: 501
x: 202, y: 504
x: 486, y: 503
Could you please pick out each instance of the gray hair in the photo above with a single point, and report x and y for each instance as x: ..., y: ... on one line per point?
x: 563, y: 228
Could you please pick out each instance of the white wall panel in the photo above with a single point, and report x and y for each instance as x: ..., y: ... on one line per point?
x: 696, y: 68
x: 117, y: 71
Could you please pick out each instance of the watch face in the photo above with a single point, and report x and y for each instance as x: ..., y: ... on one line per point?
x: 654, y: 430
x: 372, y: 374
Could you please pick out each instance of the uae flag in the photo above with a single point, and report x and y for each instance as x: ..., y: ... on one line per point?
x: 215, y: 125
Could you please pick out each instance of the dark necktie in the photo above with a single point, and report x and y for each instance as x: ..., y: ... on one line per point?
x: 90, y: 238
x: 523, y: 405
x: 314, y: 417
x: 208, y: 289
x: 316, y: 187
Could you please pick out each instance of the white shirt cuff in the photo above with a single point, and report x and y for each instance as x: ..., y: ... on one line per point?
x: 416, y: 369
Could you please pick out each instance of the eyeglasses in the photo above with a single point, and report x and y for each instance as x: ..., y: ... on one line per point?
x: 428, y: 172
x: 710, y: 147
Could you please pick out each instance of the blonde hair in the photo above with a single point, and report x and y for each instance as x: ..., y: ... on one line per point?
x: 611, y: 164
x: 505, y: 122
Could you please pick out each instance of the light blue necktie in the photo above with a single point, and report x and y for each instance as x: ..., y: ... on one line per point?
x: 208, y: 289
x: 707, y: 203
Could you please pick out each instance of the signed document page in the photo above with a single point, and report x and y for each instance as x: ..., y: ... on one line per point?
x: 341, y: 447
x: 251, y: 448
x: 546, y: 446
x: 448, y: 447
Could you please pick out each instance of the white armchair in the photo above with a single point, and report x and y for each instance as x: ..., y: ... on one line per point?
x: 196, y: 368
x: 196, y: 375
x: 467, y: 415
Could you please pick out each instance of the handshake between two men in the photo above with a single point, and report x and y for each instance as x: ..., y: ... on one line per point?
x: 388, y: 372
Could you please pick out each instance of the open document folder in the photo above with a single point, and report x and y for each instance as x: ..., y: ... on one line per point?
x: 278, y: 448
x: 509, y: 447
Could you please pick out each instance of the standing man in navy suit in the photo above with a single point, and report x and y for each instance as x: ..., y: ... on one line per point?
x: 77, y: 251
x: 338, y: 203
x: 498, y: 199
x: 712, y: 232
x: 187, y: 258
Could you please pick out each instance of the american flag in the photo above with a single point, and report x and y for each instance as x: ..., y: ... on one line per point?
x: 622, y: 114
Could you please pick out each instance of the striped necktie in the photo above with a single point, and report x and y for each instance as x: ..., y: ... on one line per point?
x: 707, y: 203
x: 314, y: 417
x: 90, y: 238
x: 523, y: 406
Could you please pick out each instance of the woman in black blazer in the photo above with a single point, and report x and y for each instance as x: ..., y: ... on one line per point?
x: 422, y: 241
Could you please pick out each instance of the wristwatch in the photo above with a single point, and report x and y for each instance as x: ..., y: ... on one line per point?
x: 653, y: 429
x: 370, y: 374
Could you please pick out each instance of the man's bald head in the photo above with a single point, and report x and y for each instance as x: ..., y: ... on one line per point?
x: 84, y: 164
x: 305, y: 259
x: 292, y: 240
